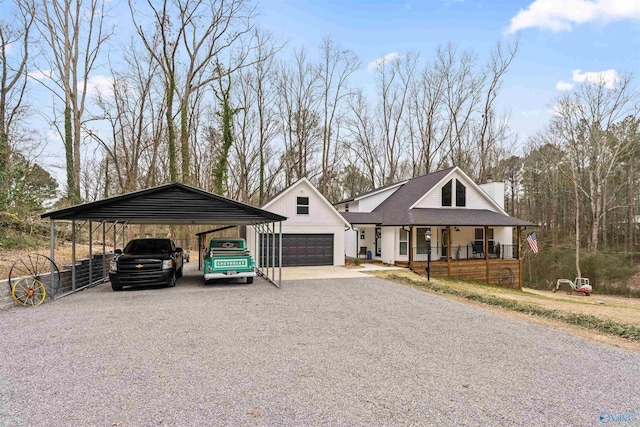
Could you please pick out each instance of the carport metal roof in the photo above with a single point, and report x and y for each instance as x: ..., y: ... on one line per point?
x: 173, y: 203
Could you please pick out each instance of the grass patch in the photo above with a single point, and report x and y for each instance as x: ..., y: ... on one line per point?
x: 587, y: 321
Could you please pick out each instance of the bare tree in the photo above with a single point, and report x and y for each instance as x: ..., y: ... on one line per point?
x: 190, y: 39
x: 493, y: 128
x: 393, y: 81
x: 127, y: 109
x: 427, y: 124
x: 363, y: 140
x: 299, y: 96
x: 74, y: 32
x: 259, y: 80
x: 585, y: 119
x: 336, y: 66
x: 461, y: 95
x: 14, y: 36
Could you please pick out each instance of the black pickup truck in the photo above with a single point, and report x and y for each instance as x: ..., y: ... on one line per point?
x: 146, y: 262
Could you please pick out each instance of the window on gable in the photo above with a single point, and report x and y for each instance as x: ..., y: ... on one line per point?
x: 461, y: 194
x: 446, y: 194
x: 362, y: 235
x: 302, y: 205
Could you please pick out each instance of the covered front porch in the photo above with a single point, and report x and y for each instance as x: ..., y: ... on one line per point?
x: 482, y: 253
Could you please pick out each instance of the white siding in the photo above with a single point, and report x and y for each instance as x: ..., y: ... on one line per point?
x: 369, y: 203
x: 388, y: 253
x: 350, y: 243
x: 353, y: 207
x: 320, y: 213
x: 474, y: 199
x: 322, y: 219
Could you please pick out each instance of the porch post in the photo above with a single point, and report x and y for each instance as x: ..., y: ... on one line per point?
x: 448, y: 254
x: 411, y: 234
x: 486, y: 252
x: 519, y: 258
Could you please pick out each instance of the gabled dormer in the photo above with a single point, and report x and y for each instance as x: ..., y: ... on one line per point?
x: 457, y: 191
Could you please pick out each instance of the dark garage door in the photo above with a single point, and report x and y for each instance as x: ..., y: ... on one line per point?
x: 301, y: 249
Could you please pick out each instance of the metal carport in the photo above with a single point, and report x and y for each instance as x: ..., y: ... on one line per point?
x: 171, y: 204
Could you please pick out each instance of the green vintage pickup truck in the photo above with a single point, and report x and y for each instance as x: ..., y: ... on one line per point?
x: 228, y: 259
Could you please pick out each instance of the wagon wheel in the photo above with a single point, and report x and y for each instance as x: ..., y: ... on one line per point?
x: 33, y: 271
x: 506, y: 277
x: 28, y: 291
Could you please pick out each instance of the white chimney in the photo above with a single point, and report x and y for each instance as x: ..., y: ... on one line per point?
x: 495, y: 190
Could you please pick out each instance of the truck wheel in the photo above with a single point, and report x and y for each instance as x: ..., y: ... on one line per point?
x: 249, y: 280
x: 116, y: 288
x: 179, y: 273
x: 172, y: 283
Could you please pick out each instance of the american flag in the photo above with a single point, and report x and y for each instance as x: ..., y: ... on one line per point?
x: 533, y: 243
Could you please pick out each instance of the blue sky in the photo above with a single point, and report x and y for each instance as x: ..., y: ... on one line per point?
x: 562, y: 43
x: 557, y: 37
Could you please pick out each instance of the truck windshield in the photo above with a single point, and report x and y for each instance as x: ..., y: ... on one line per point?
x: 147, y: 246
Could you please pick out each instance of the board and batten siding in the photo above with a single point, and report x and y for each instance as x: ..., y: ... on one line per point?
x: 474, y: 199
x: 369, y: 203
x: 354, y: 206
x: 322, y: 218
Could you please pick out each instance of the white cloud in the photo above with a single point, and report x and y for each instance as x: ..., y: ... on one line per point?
x: 98, y: 85
x: 564, y: 86
x: 376, y: 63
x: 531, y: 113
x: 40, y: 74
x: 607, y: 77
x: 559, y: 15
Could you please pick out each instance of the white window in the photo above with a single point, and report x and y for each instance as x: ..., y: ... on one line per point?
x: 404, y: 242
x: 302, y: 206
x: 362, y: 234
x: 479, y: 233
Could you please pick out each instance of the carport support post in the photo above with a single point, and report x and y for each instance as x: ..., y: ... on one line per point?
x: 90, y: 252
x: 268, y: 249
x: 115, y: 235
x: 52, y: 250
x: 73, y: 255
x: 280, y: 254
x: 104, y: 251
x: 273, y: 237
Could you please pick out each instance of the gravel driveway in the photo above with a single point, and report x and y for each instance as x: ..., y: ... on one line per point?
x: 358, y: 351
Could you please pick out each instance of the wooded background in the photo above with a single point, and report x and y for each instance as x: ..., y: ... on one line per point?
x: 202, y: 96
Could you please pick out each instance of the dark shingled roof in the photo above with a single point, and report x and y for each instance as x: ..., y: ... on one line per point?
x: 362, y: 217
x: 446, y: 216
x: 375, y: 190
x: 173, y: 203
x: 395, y: 210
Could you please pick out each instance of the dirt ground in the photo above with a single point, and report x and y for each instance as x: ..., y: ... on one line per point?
x: 617, y: 308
